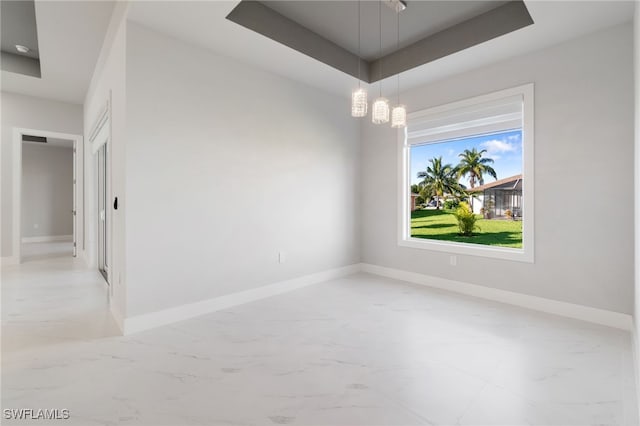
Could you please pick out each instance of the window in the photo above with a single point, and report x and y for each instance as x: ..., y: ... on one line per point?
x: 467, y: 177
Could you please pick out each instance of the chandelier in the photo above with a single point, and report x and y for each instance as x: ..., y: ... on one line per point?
x: 359, y: 96
x: 381, y: 111
x: 399, y: 113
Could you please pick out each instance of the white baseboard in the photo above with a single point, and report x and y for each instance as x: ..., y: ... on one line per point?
x: 635, y: 347
x: 151, y: 320
x: 180, y: 313
x: 565, y: 309
x: 47, y: 238
x: 9, y: 260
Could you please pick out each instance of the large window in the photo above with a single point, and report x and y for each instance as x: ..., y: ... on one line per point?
x: 467, y: 184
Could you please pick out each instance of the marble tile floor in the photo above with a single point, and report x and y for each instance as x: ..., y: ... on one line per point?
x: 361, y: 350
x: 46, y: 250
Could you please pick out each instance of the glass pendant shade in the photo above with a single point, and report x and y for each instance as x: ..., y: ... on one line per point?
x: 359, y: 103
x: 380, y: 111
x: 399, y: 117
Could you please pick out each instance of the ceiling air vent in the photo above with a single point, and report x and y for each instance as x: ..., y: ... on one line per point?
x: 29, y: 138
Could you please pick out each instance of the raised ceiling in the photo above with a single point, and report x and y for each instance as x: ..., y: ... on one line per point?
x: 71, y: 33
x: 18, y: 27
x: 337, y: 21
x: 70, y: 36
x: 203, y: 24
x: 392, y: 43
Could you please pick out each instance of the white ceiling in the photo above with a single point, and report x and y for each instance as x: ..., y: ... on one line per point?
x: 19, y: 27
x: 204, y: 24
x: 71, y: 33
x: 70, y: 36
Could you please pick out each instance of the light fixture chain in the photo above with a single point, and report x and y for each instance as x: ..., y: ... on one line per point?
x: 359, y: 44
x: 380, y: 22
x: 399, y: 112
x: 398, y: 49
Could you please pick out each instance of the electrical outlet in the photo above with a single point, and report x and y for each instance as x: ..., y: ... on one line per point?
x: 282, y: 257
x: 453, y: 260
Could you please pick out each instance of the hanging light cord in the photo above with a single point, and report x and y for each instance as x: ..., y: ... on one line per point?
x: 380, y: 22
x: 397, y: 49
x: 359, y: 60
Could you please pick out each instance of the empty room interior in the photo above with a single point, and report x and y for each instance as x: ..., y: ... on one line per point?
x: 47, y: 199
x: 320, y: 212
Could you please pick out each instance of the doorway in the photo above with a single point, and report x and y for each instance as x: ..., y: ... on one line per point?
x: 104, y: 218
x: 100, y: 210
x: 45, y: 194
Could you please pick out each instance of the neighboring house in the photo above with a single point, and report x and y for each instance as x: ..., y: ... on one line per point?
x: 414, y: 196
x: 499, y: 196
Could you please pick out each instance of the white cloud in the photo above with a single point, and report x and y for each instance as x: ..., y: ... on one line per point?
x: 496, y: 146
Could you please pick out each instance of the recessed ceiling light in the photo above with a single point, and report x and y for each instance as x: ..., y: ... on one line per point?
x: 22, y: 49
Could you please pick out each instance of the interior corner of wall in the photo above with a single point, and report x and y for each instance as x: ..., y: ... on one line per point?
x: 117, y: 23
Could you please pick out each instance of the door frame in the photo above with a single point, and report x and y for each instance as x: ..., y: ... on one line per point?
x: 104, y: 263
x: 100, y: 136
x: 18, y: 132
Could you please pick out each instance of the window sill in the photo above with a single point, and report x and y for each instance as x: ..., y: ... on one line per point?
x: 504, y: 253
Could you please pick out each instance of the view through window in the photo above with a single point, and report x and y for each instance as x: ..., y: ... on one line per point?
x: 468, y: 189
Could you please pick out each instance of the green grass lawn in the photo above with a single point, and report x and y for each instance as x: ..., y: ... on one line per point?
x: 442, y: 225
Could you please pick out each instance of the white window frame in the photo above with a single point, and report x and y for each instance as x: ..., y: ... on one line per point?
x: 526, y: 253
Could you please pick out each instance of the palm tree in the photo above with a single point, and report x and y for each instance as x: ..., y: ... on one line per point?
x: 438, y: 179
x: 475, y: 166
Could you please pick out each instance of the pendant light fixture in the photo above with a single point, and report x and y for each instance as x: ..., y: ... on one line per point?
x: 380, y: 108
x: 399, y: 113
x: 359, y: 95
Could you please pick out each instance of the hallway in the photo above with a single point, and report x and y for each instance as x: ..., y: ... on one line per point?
x: 52, y: 301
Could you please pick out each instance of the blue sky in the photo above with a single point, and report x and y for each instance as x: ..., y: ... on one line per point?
x: 505, y: 149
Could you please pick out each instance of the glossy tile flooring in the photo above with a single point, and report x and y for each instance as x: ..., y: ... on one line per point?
x: 46, y: 250
x: 361, y: 350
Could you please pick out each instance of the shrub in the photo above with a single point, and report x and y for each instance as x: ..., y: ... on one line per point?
x: 466, y: 219
x: 451, y: 204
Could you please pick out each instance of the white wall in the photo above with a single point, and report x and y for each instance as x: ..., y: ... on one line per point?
x: 31, y: 113
x: 47, y: 190
x: 583, y: 155
x: 226, y: 166
x: 108, y: 84
x: 636, y: 336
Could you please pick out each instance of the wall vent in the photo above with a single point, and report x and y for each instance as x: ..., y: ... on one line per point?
x: 29, y: 138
